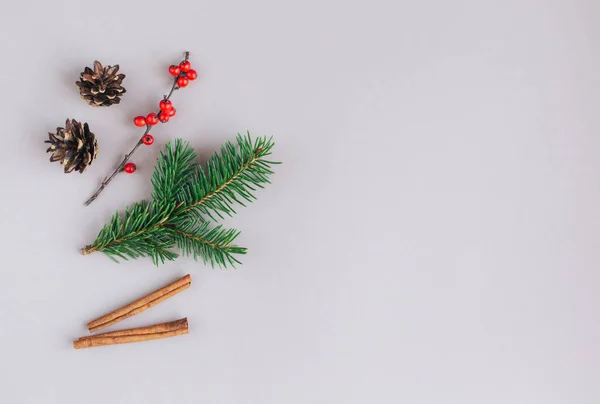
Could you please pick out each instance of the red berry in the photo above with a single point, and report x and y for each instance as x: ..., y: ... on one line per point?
x: 171, y: 112
x: 174, y: 70
x: 165, y: 105
x: 192, y: 74
x: 151, y: 119
x: 163, y: 117
x: 129, y: 168
x: 185, y: 66
x: 139, y: 121
x: 148, y: 139
x: 182, y: 81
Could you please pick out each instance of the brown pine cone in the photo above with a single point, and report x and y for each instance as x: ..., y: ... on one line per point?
x: 74, y: 146
x: 101, y: 87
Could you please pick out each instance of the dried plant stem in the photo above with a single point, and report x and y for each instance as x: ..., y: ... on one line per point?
x: 121, y: 166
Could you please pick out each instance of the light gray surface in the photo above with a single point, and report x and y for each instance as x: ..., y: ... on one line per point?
x: 431, y: 238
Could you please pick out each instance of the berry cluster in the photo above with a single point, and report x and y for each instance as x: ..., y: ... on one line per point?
x: 183, y: 73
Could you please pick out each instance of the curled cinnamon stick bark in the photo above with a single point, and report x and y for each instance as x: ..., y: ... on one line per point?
x: 157, y: 331
x: 141, y: 304
x: 162, y: 327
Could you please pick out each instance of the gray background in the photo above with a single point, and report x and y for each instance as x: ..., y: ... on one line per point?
x: 431, y: 238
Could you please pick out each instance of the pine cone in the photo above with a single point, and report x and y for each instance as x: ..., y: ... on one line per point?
x: 74, y: 146
x: 101, y: 87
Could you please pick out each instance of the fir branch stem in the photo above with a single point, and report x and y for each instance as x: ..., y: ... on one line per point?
x: 88, y: 249
x: 196, y: 238
x: 121, y: 166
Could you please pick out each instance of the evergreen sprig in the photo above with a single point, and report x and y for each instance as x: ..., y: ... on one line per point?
x: 186, y: 198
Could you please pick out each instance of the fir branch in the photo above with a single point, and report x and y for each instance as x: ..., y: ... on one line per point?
x: 173, y: 169
x: 140, y: 233
x: 184, y: 195
x: 230, y: 177
x: 212, y: 245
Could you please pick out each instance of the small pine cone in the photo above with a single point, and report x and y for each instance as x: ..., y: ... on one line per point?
x: 74, y: 146
x: 101, y: 87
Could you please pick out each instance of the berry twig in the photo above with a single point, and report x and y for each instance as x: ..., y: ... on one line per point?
x: 182, y: 74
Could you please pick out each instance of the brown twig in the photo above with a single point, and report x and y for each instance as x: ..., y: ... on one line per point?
x: 121, y: 166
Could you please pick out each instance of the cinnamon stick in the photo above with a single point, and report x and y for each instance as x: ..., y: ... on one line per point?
x: 157, y: 331
x: 162, y: 327
x: 141, y: 304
